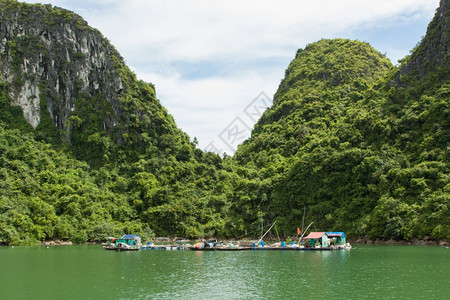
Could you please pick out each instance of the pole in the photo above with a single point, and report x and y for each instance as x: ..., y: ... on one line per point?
x: 303, y: 220
x: 261, y: 215
x: 277, y: 234
x: 303, y: 233
x: 265, y: 233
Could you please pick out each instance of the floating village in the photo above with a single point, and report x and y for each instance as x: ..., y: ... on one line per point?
x: 314, y: 241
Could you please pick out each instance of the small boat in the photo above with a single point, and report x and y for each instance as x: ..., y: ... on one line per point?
x: 202, y: 247
x: 205, y: 246
x: 126, y: 247
x: 110, y: 243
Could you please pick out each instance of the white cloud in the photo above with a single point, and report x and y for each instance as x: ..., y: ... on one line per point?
x: 208, y: 105
x: 195, y: 30
x: 209, y: 59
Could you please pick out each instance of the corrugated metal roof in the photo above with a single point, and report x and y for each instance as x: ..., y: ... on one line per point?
x: 315, y: 235
x: 130, y: 236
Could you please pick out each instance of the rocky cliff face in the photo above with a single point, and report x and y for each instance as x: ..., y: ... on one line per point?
x: 50, y: 56
x: 433, y: 51
x: 74, y: 87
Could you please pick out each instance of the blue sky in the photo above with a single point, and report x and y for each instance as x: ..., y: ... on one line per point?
x: 214, y: 61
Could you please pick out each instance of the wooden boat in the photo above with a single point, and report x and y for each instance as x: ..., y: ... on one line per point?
x: 126, y: 247
x: 205, y: 246
x: 110, y: 243
x: 109, y: 247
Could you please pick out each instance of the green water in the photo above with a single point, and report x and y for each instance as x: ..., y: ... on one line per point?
x: 89, y: 272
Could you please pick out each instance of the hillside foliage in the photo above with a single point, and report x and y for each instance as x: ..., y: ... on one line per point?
x: 357, y: 155
x: 352, y: 142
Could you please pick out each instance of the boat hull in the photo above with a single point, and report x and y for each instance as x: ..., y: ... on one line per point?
x: 127, y: 249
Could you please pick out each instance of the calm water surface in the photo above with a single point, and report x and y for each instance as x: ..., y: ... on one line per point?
x: 89, y: 272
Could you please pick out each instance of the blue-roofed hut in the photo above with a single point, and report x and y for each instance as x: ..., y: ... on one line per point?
x: 337, y: 237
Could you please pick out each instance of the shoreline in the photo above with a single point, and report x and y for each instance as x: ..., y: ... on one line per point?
x: 427, y: 241
x: 56, y: 243
x: 413, y: 242
x: 364, y: 240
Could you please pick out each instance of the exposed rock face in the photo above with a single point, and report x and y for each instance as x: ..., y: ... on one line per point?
x: 47, y: 53
x: 434, y: 50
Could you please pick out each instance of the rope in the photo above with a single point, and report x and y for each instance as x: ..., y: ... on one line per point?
x: 277, y: 233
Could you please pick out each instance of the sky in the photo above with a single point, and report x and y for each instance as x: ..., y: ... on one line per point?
x: 217, y: 64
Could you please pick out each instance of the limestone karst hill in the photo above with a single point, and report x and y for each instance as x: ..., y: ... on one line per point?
x: 87, y: 150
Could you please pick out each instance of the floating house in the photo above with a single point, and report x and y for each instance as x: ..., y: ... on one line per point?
x: 127, y: 242
x: 317, y: 240
x: 337, y: 238
x: 131, y: 239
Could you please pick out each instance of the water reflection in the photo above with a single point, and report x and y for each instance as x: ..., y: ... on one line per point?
x: 89, y: 272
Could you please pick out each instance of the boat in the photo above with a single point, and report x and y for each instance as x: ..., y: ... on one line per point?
x: 126, y: 247
x: 110, y: 243
x: 205, y: 246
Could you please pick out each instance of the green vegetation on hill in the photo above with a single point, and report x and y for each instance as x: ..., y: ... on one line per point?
x: 114, y: 166
x: 361, y: 145
x: 49, y: 194
x: 358, y: 155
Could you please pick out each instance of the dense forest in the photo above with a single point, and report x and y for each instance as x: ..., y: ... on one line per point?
x: 87, y: 150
